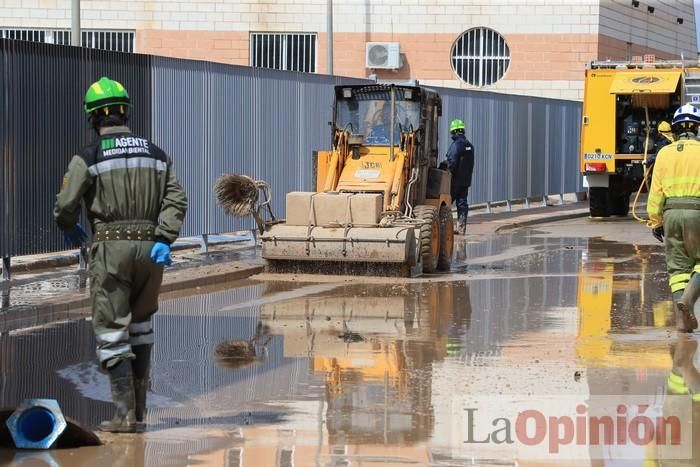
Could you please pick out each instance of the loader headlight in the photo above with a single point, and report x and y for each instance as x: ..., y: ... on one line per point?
x: 347, y: 93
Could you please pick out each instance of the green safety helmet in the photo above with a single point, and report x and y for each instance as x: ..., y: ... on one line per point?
x: 456, y: 124
x: 105, y: 93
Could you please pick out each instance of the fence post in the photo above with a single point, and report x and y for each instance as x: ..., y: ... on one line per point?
x: 561, y: 199
x: 544, y: 201
x: 6, y: 273
x: 509, y: 207
x: 83, y: 258
x: 527, y: 203
x: 488, y: 207
x: 204, y: 244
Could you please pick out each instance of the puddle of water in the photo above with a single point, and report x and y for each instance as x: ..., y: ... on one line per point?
x: 369, y: 373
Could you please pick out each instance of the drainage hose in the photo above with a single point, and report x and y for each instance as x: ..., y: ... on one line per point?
x: 647, y: 171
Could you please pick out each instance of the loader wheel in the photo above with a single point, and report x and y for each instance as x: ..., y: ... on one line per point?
x: 429, y: 236
x: 447, y: 238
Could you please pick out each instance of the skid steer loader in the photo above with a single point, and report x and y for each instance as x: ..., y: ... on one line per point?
x: 381, y: 205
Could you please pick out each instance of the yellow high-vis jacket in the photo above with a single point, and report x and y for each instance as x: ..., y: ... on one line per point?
x: 676, y: 175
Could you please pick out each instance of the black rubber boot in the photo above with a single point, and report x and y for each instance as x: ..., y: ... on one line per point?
x: 685, y: 305
x: 685, y: 318
x: 141, y: 367
x: 461, y: 226
x: 122, y: 382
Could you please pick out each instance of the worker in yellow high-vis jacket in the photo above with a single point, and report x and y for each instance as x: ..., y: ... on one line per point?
x: 674, y: 212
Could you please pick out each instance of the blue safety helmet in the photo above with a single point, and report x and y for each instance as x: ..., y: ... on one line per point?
x: 686, y: 113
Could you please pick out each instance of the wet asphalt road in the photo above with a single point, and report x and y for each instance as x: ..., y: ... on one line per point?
x: 367, y: 372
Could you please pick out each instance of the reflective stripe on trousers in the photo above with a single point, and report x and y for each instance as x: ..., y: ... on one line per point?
x: 141, y: 333
x: 116, y: 343
x: 105, y: 354
x: 112, y: 337
x: 679, y: 281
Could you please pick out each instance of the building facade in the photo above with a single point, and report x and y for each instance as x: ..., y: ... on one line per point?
x: 532, y: 47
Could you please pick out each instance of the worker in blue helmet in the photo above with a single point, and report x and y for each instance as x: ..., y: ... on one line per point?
x: 674, y: 212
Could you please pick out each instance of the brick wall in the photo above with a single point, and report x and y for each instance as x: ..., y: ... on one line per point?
x: 550, y: 40
x: 659, y: 31
x: 440, y: 16
x: 549, y: 65
x: 217, y: 46
x: 614, y: 18
x: 397, y: 16
x: 541, y: 64
x: 610, y: 48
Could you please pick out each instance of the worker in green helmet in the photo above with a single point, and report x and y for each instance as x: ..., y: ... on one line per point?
x: 460, y: 162
x: 136, y: 207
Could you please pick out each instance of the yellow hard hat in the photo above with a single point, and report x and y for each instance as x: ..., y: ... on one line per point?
x: 664, y: 127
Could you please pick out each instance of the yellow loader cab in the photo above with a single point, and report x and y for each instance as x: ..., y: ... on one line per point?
x: 381, y: 204
x: 623, y: 105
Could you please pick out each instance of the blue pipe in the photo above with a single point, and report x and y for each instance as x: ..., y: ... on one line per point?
x: 36, y: 424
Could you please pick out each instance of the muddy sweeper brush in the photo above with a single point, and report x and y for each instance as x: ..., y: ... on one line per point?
x: 239, y: 196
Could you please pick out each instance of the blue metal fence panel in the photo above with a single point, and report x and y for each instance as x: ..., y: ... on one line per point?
x: 524, y: 146
x: 44, y: 125
x: 180, y: 101
x: 538, y: 132
x: 6, y: 225
x: 573, y: 181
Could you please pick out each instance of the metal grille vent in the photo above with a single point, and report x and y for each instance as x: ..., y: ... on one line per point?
x: 480, y: 56
x: 116, y: 41
x: 284, y: 51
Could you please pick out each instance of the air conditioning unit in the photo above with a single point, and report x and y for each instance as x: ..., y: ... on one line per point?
x: 383, y: 55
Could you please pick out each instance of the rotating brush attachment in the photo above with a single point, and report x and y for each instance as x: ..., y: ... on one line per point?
x: 236, y: 194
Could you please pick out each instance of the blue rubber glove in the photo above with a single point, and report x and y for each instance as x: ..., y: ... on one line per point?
x: 75, y: 236
x: 160, y: 254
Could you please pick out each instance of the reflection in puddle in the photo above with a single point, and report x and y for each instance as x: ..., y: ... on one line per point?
x: 240, y: 352
x: 362, y: 373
